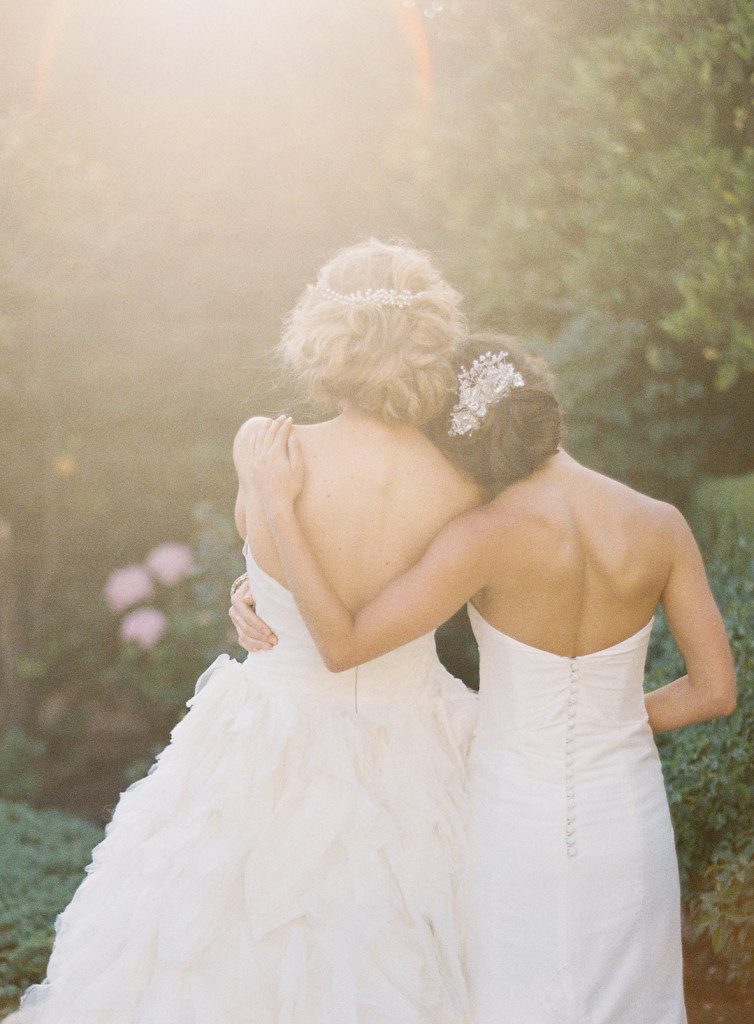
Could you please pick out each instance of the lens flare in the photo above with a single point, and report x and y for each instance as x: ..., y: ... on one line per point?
x: 412, y: 24
x: 54, y: 26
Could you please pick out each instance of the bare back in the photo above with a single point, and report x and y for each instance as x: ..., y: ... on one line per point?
x: 583, y: 560
x: 374, y: 497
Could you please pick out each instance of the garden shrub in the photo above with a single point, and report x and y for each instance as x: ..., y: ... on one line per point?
x: 644, y: 429
x: 709, y: 776
x: 42, y: 860
x: 20, y: 759
x: 608, y: 165
x: 721, y: 510
x: 98, y: 703
x: 722, y: 910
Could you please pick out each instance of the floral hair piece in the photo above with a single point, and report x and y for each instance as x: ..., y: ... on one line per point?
x: 489, y: 378
x: 375, y: 296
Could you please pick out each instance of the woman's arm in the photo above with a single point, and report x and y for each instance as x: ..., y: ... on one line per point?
x: 454, y: 568
x: 708, y: 690
x: 253, y: 633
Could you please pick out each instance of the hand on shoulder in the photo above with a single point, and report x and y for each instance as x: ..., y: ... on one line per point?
x: 243, y: 447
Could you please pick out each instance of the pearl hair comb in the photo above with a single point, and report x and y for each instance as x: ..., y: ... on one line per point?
x: 374, y: 296
x: 489, y: 378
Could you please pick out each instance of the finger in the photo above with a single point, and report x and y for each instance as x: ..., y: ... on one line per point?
x: 259, y: 436
x: 294, y: 451
x: 279, y: 425
x: 250, y: 646
x: 250, y: 636
x: 272, y: 433
x: 247, y: 636
x: 280, y: 443
x: 255, y: 627
x: 259, y: 628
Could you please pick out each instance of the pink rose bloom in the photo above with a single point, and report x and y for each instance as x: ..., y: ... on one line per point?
x: 127, y: 586
x: 144, y: 626
x: 170, y: 563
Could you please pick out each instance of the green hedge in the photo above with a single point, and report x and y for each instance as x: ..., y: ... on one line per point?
x: 42, y: 860
x: 722, y: 510
x: 722, y: 910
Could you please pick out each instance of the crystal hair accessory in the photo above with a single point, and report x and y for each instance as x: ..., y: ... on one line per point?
x: 489, y: 378
x: 375, y: 296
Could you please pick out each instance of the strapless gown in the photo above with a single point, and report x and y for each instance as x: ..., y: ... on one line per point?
x: 573, y: 902
x: 292, y: 856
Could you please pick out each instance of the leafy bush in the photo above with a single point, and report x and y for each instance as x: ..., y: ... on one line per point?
x: 642, y: 428
x: 722, y: 910
x: 100, y: 703
x: 42, y: 860
x: 20, y: 761
x: 721, y: 511
x: 599, y: 157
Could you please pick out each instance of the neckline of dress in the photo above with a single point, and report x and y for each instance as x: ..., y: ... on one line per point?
x: 564, y: 657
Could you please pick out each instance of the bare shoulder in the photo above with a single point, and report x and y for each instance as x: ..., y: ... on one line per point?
x: 659, y: 518
x: 660, y: 527
x: 534, y: 508
x: 651, y: 513
x: 676, y: 530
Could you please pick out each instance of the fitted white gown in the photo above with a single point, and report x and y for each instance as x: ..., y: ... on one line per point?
x: 292, y: 857
x: 573, y: 903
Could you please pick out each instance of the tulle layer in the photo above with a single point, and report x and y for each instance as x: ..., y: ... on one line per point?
x: 284, y: 861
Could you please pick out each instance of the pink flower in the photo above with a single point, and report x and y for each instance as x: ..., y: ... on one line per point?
x: 170, y: 563
x: 127, y: 586
x: 144, y: 626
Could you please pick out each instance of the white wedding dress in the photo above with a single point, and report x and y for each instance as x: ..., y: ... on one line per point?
x: 573, y: 903
x: 292, y: 856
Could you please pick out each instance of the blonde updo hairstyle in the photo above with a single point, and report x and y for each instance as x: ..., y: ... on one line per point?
x: 398, y: 364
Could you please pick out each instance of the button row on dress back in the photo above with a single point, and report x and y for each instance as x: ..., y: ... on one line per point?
x: 570, y: 828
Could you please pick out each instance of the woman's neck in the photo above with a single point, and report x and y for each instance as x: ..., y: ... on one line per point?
x: 352, y: 415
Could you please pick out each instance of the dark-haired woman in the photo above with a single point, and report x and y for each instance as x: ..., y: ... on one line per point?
x: 573, y: 897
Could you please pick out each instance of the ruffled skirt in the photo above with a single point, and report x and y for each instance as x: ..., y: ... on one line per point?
x: 286, y: 860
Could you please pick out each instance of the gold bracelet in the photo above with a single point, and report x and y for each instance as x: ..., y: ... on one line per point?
x: 237, y: 582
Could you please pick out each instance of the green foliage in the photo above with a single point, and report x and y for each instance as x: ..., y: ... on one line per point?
x: 641, y: 427
x: 722, y: 910
x: 42, y: 860
x: 604, y: 161
x: 721, y: 511
x: 101, y: 705
x: 20, y: 760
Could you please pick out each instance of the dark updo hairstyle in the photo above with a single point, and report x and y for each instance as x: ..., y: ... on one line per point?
x: 517, y: 434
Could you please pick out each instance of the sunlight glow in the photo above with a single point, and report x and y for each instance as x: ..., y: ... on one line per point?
x: 412, y: 24
x: 55, y: 23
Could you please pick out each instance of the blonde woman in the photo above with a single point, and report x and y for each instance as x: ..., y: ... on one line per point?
x: 293, y: 855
